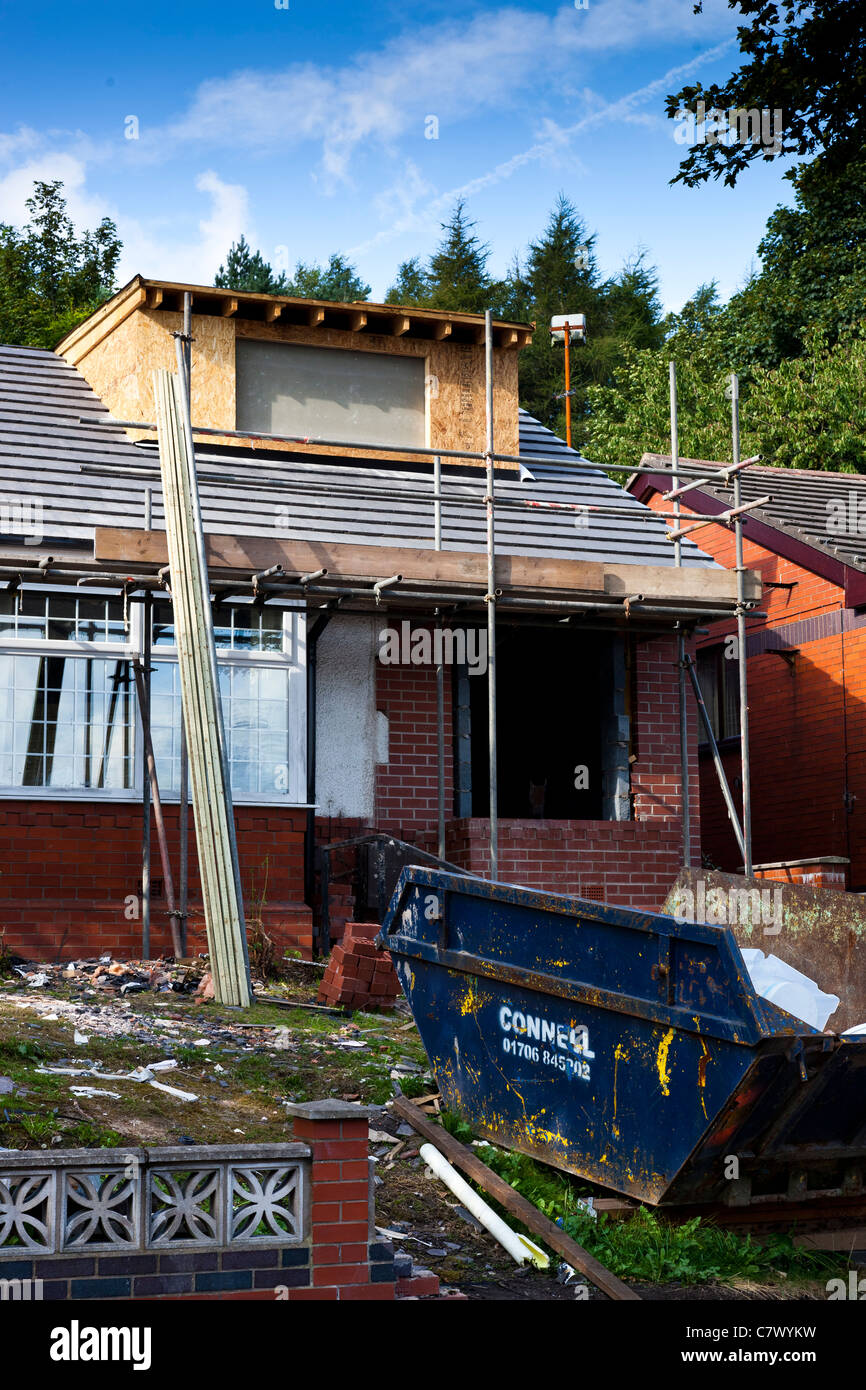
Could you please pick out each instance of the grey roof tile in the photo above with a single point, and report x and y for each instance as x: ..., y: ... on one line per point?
x: 54, y: 450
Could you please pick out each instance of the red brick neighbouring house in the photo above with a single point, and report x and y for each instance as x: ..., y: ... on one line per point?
x: 806, y: 674
x: 330, y: 733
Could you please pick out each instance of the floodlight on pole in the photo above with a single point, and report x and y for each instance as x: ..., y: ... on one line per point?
x: 568, y: 329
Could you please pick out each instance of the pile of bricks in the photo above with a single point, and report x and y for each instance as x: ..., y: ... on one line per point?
x: 359, y: 976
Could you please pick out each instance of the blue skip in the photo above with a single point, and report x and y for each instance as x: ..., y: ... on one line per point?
x: 623, y: 1046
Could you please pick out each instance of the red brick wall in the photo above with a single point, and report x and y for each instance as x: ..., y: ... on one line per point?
x: 630, y: 862
x: 407, y: 787
x: 807, y: 730
x: 69, y: 869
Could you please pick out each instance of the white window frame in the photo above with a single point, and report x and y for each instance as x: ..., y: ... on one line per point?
x: 293, y: 658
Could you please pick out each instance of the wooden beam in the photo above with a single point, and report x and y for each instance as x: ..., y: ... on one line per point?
x: 365, y: 562
x: 154, y: 299
x: 477, y: 334
x: 508, y: 337
x: 357, y: 321
x: 315, y: 317
x: 125, y: 546
x: 400, y: 324
x: 273, y: 311
x: 521, y: 1208
x: 674, y: 581
x: 524, y: 338
x: 229, y: 308
x: 441, y: 330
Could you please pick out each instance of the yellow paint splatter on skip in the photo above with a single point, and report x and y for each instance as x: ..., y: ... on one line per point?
x: 662, y: 1062
x: 469, y: 1003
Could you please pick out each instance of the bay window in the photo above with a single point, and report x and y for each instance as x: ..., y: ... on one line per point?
x: 69, y: 717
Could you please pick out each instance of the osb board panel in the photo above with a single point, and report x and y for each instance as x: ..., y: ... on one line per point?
x: 82, y: 340
x: 120, y: 368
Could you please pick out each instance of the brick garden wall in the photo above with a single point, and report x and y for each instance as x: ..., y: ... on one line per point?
x: 243, y: 1221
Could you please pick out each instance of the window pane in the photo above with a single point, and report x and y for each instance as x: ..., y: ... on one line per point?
x: 243, y: 627
x: 257, y: 730
x: 72, y: 724
x: 335, y: 393
x: 62, y: 617
x: 707, y: 667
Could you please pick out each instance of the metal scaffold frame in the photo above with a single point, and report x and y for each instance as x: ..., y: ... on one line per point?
x: 684, y: 478
x: 733, y: 517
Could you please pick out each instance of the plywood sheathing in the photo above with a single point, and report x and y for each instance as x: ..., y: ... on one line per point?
x: 118, y: 361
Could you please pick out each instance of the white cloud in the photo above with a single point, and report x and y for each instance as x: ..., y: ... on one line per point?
x: 228, y: 221
x: 553, y: 140
x: 17, y: 186
x: 452, y: 70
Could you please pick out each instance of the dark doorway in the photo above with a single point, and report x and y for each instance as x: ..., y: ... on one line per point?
x: 552, y: 696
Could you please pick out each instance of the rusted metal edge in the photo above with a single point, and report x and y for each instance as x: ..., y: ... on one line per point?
x: 519, y: 1207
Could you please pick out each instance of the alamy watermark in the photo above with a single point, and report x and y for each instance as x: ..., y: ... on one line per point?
x: 737, y: 126
x: 846, y: 516
x: 730, y: 907
x: 441, y: 646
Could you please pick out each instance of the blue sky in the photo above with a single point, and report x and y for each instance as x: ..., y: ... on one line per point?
x: 306, y: 129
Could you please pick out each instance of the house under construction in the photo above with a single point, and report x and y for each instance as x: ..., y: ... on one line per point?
x: 426, y: 608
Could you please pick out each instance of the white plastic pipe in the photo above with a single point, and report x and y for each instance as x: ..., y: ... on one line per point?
x: 520, y: 1248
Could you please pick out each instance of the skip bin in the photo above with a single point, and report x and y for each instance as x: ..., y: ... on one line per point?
x: 626, y: 1047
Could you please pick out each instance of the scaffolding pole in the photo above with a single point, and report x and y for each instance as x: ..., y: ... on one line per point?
x: 737, y: 513
x: 414, y: 450
x: 717, y: 759
x: 183, y: 807
x: 151, y: 781
x: 143, y: 684
x: 440, y: 669
x: 490, y: 599
x: 685, y: 790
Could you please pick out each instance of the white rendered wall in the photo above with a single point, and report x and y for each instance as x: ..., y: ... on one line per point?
x: 347, y: 737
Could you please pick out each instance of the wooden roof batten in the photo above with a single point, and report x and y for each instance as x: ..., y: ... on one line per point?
x: 360, y: 316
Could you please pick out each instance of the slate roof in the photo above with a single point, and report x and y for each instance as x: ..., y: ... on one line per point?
x: 818, y: 508
x: 84, y: 474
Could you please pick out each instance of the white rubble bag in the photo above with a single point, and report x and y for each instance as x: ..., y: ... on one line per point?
x: 789, y: 989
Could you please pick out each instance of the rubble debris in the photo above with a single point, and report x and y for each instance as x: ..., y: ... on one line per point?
x: 205, y: 989
x: 141, y: 1074
x: 358, y: 974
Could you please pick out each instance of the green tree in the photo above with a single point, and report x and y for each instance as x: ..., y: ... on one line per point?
x: 813, y: 271
x: 411, y: 285
x: 50, y: 278
x: 806, y: 58
x: 630, y: 414
x: 457, y: 276
x: 338, y: 280
x: 561, y: 274
x: 245, y: 269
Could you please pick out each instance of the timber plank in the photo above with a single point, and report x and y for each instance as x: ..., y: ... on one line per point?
x: 524, y: 1210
